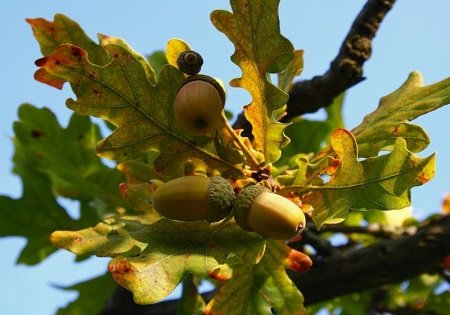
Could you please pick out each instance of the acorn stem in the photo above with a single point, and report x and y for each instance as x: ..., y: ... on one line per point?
x: 249, y: 155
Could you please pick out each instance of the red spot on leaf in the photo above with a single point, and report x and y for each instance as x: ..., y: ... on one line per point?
x: 446, y: 262
x: 97, y: 92
x: 394, y: 130
x: 422, y: 178
x: 333, y: 167
x: 215, y: 274
x: 339, y: 132
x: 37, y: 133
x: 123, y: 190
x: 120, y: 267
x: 76, y: 51
x: 298, y: 261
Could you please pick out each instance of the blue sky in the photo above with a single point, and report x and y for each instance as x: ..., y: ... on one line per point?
x: 414, y: 36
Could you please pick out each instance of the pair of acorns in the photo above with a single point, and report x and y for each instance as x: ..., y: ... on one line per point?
x: 255, y: 208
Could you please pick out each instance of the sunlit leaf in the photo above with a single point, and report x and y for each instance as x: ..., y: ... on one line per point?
x: 178, y: 248
x: 378, y: 183
x: 380, y: 129
x: 261, y: 289
x: 139, y: 195
x: 254, y: 29
x: 106, y: 239
x: 121, y: 92
x: 138, y: 171
x: 174, y: 47
x: 109, y: 40
x: 62, y: 30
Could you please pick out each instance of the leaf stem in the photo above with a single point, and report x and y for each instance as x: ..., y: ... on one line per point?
x: 248, y: 154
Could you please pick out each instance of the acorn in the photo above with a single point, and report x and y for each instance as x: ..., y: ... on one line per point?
x: 194, y: 198
x: 190, y: 62
x: 198, y: 104
x: 257, y: 209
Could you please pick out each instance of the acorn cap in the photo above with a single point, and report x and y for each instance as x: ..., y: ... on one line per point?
x: 220, y: 198
x: 243, y: 203
x: 190, y: 62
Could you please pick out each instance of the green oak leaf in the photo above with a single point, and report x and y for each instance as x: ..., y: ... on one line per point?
x: 139, y: 171
x: 148, y: 69
x: 254, y: 29
x: 33, y: 216
x: 294, y: 69
x: 377, y: 183
x: 139, y: 196
x: 53, y: 161
x: 191, y: 302
x: 157, y: 60
x: 309, y: 136
x: 261, y: 289
x: 121, y: 92
x: 178, y: 248
x: 107, y: 239
x: 380, y: 129
x: 102, y: 288
x: 66, y: 156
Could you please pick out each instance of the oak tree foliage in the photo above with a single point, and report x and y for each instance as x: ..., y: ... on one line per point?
x: 338, y: 176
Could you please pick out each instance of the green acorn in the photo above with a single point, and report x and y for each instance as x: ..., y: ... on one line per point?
x: 257, y: 209
x: 194, y: 198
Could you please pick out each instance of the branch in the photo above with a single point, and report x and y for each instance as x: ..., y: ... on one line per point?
x: 386, y: 262
x: 389, y: 261
x: 374, y: 229
x: 345, y: 70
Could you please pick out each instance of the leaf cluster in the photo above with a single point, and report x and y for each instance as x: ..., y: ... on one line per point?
x: 331, y: 172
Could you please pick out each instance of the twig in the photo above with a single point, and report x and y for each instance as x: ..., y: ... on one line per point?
x: 377, y: 230
x: 249, y: 155
x: 388, y: 261
x: 322, y: 246
x: 345, y: 70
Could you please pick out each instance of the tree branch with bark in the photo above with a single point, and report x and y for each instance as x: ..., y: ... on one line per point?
x: 386, y: 262
x: 346, y: 70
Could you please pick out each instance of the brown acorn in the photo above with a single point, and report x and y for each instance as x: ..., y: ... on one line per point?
x: 198, y: 105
